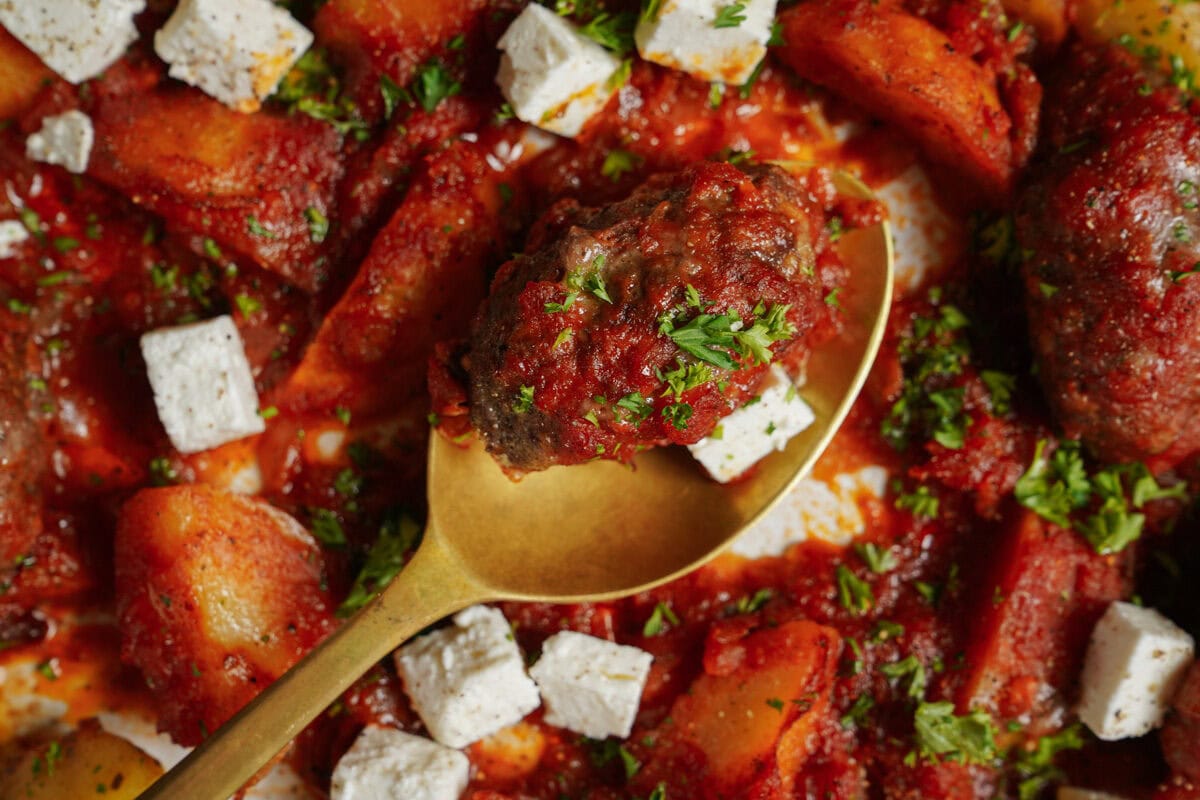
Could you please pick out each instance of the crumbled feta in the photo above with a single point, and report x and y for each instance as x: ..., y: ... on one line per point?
x: 1135, y: 661
x: 234, y: 50
x: 830, y: 511
x: 552, y: 75
x: 751, y: 432
x: 468, y: 680
x: 683, y: 35
x: 1073, y: 793
x: 12, y: 233
x: 203, y: 387
x: 78, y: 39
x: 64, y: 139
x: 386, y: 763
x: 589, y: 685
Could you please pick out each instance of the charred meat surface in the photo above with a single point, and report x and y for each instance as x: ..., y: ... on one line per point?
x: 1110, y: 219
x: 645, y: 321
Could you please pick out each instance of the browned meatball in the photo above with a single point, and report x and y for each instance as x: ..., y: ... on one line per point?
x: 645, y: 321
x: 1110, y: 221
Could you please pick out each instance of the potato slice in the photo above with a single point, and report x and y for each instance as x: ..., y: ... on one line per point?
x: 1172, y: 28
x: 87, y: 763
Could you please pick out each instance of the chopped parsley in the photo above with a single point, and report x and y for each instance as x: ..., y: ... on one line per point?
x: 635, y: 407
x: 1036, y: 766
x: 940, y: 733
x: 921, y: 503
x: 714, y: 338
x: 909, y: 670
x: 750, y: 604
x: 853, y: 592
x: 618, y: 162
x: 318, y: 224
x: 258, y: 229
x: 393, y: 95
x: 327, y: 529
x: 678, y: 415
x: 162, y: 473
x: 878, y: 559
x: 654, y: 625
x: 730, y: 16
x: 611, y: 31
x: 524, y: 402
x: 857, y: 713
x: 933, y: 354
x: 246, y: 304
x: 685, y: 377
x: 1104, y: 507
x: 397, y: 536
x: 311, y: 88
x: 433, y: 84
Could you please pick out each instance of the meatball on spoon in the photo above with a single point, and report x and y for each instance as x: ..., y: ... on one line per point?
x: 589, y: 532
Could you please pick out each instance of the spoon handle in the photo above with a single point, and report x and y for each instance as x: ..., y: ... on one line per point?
x: 430, y: 587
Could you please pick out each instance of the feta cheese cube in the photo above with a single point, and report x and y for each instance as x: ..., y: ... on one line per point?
x: 1073, y: 793
x: 237, y: 51
x: 203, y: 387
x: 64, y: 139
x: 467, y: 681
x: 683, y: 35
x: 385, y: 763
x: 1135, y: 661
x: 12, y: 233
x: 78, y: 39
x: 589, y: 685
x: 754, y: 430
x: 552, y: 75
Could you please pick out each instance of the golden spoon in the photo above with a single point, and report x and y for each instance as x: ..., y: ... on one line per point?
x: 566, y: 535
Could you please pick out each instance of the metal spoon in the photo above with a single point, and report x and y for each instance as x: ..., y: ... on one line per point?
x: 569, y: 534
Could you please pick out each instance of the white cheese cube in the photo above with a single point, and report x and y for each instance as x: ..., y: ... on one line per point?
x: 748, y: 434
x: 589, y: 685
x: 236, y: 51
x: 385, y: 763
x: 203, y: 387
x: 1072, y: 793
x: 683, y: 35
x: 12, y: 233
x: 553, y: 76
x: 64, y: 139
x: 1135, y: 661
x: 467, y: 681
x: 78, y: 39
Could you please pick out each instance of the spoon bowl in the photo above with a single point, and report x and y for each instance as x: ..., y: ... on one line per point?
x: 569, y: 534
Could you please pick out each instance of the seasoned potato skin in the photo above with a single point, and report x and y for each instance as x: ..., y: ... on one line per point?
x: 217, y: 596
x: 425, y: 274
x: 245, y: 180
x: 903, y: 69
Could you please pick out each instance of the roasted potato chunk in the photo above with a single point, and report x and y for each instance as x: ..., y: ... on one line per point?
x: 86, y: 763
x: 421, y: 282
x: 218, y: 595
x: 251, y: 182
x: 903, y: 69
x: 750, y: 726
x: 375, y: 38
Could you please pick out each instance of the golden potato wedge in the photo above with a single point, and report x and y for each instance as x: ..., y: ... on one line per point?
x: 218, y: 594
x: 87, y: 763
x: 1172, y: 28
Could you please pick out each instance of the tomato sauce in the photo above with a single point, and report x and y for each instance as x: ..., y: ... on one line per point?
x: 815, y: 672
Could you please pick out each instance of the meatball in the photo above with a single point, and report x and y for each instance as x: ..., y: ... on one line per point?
x: 1110, y: 225
x: 645, y: 321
